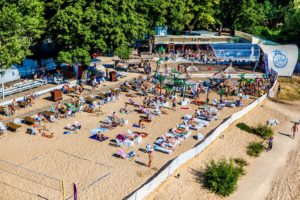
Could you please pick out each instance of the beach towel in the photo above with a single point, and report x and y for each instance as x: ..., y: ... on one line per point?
x: 184, y: 108
x: 97, y: 130
x: 94, y: 137
x: 68, y: 132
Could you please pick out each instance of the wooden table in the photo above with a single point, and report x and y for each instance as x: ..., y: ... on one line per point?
x: 90, y: 99
x: 2, y: 109
x: 70, y: 90
x: 23, y: 104
x: 115, y: 91
x: 29, y: 120
x: 12, y: 126
x: 48, y: 113
x: 56, y: 95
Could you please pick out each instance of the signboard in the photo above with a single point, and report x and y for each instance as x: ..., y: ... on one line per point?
x: 281, y: 58
x: 192, y: 39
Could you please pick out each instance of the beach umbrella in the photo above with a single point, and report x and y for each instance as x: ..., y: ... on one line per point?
x: 192, y: 69
x: 220, y: 75
x: 230, y: 70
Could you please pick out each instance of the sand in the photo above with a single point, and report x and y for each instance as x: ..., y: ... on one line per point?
x: 260, y: 173
x: 32, y: 167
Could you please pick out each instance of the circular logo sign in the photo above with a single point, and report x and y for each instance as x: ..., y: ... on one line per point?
x: 280, y: 60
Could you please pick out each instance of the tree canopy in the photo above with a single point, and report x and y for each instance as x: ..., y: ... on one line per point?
x: 21, y: 23
x: 78, y: 28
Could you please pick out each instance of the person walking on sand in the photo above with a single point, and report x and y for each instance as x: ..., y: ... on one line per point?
x: 278, y: 91
x: 150, y: 158
x: 294, y: 129
x: 270, y: 143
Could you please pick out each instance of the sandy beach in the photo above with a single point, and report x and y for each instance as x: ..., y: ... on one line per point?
x: 33, y: 167
x: 266, y: 177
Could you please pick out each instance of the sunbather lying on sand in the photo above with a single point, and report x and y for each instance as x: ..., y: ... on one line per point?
x: 47, y: 135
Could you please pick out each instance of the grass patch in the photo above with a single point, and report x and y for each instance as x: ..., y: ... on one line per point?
x: 290, y: 88
x: 264, y: 131
x: 240, y: 162
x: 221, y: 176
x: 255, y: 148
x: 244, y: 127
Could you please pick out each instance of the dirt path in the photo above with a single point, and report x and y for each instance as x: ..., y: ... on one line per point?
x: 261, y: 171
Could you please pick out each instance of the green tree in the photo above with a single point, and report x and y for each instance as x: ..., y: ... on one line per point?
x: 292, y: 25
x: 21, y: 24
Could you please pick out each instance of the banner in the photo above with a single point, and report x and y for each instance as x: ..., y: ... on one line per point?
x: 281, y: 58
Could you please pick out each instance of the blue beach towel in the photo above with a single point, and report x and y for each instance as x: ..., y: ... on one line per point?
x: 97, y: 130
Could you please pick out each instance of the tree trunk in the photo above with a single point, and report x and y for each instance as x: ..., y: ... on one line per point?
x: 220, y: 29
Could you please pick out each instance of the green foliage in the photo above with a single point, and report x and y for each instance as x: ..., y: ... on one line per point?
x: 255, y: 148
x: 74, y: 56
x: 123, y: 51
x: 21, y: 24
x: 221, y: 177
x: 244, y: 127
x: 264, y: 131
x: 240, y: 162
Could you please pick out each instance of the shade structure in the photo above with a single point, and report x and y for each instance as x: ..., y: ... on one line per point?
x: 220, y: 75
x: 95, y: 60
x: 134, y: 61
x: 100, y: 67
x: 230, y: 70
x: 185, y: 76
x: 192, y: 69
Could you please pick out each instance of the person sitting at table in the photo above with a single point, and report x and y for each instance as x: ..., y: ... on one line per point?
x: 15, y: 104
x: 12, y: 110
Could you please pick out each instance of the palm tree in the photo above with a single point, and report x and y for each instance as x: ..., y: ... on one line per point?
x: 242, y: 79
x: 161, y: 80
x: 221, y: 92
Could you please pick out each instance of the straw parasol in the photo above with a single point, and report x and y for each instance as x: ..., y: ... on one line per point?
x: 192, y: 69
x: 230, y: 70
x: 220, y: 75
x: 185, y: 76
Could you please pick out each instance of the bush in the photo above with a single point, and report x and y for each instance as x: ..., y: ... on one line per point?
x: 244, y: 127
x: 264, y: 131
x: 221, y: 177
x: 240, y: 162
x: 255, y: 148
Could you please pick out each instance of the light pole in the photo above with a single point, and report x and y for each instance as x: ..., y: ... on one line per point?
x: 2, y: 80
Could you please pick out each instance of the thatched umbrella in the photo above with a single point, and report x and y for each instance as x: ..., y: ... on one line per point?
x: 220, y: 75
x: 230, y: 70
x: 192, y: 69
